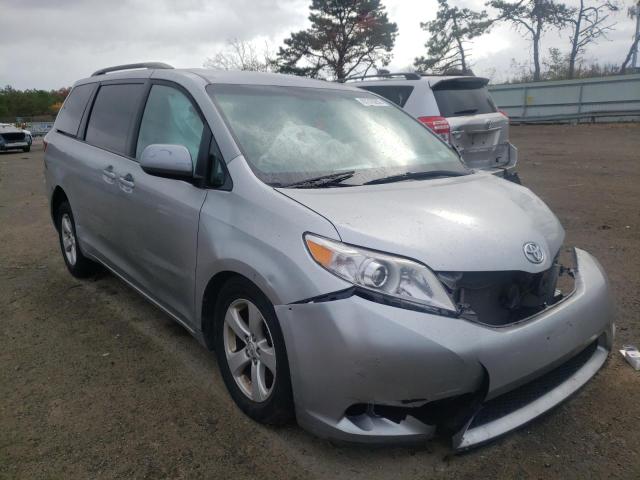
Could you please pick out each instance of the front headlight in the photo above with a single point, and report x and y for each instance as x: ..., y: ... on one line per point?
x: 395, y: 278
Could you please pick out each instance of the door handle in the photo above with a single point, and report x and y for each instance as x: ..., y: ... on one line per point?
x: 108, y: 175
x: 126, y: 183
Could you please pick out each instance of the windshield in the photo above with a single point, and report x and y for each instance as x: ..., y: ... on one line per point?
x: 292, y: 134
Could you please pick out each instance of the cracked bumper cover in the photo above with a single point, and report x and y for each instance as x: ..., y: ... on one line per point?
x: 354, y: 351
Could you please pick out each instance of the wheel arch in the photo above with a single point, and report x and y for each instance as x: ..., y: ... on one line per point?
x: 57, y: 198
x: 209, y: 300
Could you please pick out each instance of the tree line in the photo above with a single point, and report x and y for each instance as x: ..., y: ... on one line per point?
x: 355, y: 37
x: 30, y: 103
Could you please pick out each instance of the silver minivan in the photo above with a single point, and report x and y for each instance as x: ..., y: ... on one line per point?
x: 457, y: 108
x: 345, y: 265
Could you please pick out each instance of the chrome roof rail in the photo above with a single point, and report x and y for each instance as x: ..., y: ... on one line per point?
x: 131, y: 66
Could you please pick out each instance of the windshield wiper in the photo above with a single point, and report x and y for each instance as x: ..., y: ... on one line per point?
x: 468, y: 111
x: 416, y: 176
x: 329, y: 180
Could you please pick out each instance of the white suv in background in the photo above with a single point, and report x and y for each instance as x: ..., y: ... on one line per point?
x: 14, y: 138
x: 457, y: 108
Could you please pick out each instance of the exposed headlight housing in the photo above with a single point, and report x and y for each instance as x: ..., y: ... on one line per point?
x: 392, y: 279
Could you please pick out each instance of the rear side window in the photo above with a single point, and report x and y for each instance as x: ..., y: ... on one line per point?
x: 398, y: 94
x: 113, y: 115
x: 461, y: 97
x: 70, y: 114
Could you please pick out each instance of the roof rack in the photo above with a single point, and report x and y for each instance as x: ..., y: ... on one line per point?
x: 406, y: 75
x: 409, y: 75
x: 131, y: 66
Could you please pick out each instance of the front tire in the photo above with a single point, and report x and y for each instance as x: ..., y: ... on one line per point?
x: 26, y: 149
x: 251, y: 353
x: 78, y: 265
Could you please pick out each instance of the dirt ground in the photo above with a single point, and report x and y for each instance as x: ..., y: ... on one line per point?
x: 97, y: 383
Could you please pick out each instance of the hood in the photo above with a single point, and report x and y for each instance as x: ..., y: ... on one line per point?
x: 472, y: 223
x: 4, y: 128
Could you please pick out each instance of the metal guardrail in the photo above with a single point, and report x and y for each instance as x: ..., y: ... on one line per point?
x: 611, y: 99
x: 39, y: 128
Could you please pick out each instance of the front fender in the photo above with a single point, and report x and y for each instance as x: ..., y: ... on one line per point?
x: 257, y: 232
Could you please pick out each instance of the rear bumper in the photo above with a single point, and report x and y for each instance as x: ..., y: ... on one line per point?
x: 355, y: 352
x: 501, y: 160
x: 510, y: 167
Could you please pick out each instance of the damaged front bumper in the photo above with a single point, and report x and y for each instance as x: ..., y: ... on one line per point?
x: 367, y: 372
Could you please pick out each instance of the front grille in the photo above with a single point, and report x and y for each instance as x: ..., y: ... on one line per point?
x: 515, y: 399
x: 11, y: 137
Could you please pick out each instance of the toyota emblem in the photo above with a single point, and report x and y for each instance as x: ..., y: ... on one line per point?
x: 533, y: 252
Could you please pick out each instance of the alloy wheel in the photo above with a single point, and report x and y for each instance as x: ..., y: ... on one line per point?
x: 68, y: 239
x: 249, y: 350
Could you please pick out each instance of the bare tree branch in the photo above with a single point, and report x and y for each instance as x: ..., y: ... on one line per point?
x: 589, y: 24
x: 633, y: 12
x: 534, y: 17
x: 241, y: 55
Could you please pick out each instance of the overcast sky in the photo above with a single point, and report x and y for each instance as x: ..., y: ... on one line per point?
x: 51, y: 43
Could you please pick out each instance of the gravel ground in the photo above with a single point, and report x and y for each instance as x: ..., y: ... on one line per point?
x: 97, y: 383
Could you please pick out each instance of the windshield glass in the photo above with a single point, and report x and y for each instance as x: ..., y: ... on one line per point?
x: 292, y: 134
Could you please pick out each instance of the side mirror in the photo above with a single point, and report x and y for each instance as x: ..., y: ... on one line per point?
x: 172, y: 161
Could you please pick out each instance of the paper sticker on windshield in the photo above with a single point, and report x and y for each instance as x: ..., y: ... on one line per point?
x: 372, y: 102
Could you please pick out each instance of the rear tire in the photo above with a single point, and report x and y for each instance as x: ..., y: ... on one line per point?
x: 78, y: 265
x: 248, y: 339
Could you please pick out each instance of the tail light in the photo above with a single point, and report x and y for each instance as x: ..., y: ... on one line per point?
x: 439, y: 126
x: 504, y: 113
x: 44, y: 145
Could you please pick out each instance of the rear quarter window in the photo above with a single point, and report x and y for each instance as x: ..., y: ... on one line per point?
x: 456, y: 99
x: 398, y: 94
x: 112, y: 116
x: 70, y: 115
